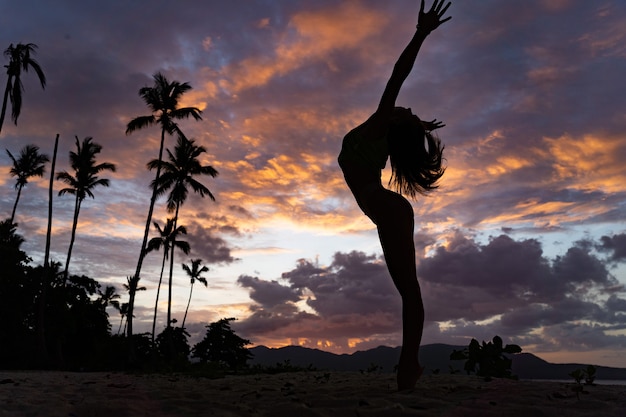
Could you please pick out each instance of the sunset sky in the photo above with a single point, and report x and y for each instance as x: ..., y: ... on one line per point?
x: 526, y: 237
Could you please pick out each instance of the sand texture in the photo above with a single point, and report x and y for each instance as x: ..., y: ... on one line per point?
x: 302, y: 394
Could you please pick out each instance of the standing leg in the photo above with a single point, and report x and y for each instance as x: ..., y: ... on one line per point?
x: 393, y: 215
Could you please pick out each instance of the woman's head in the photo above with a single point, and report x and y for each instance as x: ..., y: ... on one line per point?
x: 415, y: 155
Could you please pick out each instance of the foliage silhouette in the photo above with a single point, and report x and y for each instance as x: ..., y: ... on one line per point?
x: 121, y: 308
x: 162, y: 99
x: 20, y: 58
x: 173, y: 347
x: 488, y: 360
x: 84, y: 180
x: 194, y: 273
x: 77, y: 329
x: 16, y: 306
x: 166, y: 239
x: 221, y: 345
x: 588, y: 374
x: 179, y: 173
x: 29, y: 163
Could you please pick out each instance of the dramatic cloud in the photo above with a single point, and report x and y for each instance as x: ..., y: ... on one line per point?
x: 503, y: 287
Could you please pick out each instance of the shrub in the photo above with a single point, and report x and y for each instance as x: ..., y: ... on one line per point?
x: 488, y: 360
x: 221, y: 345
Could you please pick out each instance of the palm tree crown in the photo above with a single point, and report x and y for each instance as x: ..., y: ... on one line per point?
x: 163, y: 100
x: 194, y: 273
x: 83, y: 162
x: 30, y: 163
x: 179, y: 171
x: 20, y: 58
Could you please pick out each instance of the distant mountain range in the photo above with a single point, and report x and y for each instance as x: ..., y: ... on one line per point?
x: 435, y: 356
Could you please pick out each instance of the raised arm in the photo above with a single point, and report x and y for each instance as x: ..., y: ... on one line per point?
x: 427, y: 22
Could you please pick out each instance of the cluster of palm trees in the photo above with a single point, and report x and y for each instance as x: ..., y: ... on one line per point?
x: 176, y: 175
x: 80, y: 183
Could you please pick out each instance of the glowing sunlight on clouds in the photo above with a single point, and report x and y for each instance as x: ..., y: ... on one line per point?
x: 310, y: 36
x: 591, y: 162
x: 534, y: 136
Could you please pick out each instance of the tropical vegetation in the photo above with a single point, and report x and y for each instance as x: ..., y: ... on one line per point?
x: 179, y: 174
x: 53, y: 319
x: 166, y: 240
x: 84, y: 180
x: 194, y: 272
x: 163, y: 100
x: 29, y: 163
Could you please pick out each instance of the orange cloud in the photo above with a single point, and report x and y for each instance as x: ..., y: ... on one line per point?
x: 590, y: 162
x: 310, y: 36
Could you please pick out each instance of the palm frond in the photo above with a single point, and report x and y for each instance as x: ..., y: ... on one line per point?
x: 139, y: 123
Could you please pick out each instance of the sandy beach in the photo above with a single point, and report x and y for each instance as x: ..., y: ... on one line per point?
x: 63, y: 394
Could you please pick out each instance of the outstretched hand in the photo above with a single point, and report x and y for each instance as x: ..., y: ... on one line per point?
x: 431, y: 20
x: 432, y: 125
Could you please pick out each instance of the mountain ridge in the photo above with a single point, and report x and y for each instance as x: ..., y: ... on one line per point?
x: 436, y: 358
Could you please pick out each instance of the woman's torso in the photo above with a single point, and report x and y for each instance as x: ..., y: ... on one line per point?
x: 362, y: 159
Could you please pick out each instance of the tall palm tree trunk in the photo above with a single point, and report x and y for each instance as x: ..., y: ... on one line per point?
x: 5, y: 99
x: 188, y: 304
x: 142, y: 252
x: 169, y: 287
x: 41, y: 332
x: 49, y: 231
x: 156, y: 303
x: 119, y: 329
x: 19, y: 191
x: 169, y: 294
x: 69, y: 251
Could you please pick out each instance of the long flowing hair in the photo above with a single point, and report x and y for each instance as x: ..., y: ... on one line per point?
x: 416, y: 158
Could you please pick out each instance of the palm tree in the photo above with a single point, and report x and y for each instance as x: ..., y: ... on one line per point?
x: 194, y: 273
x: 123, y: 310
x: 108, y: 298
x: 178, y: 175
x: 47, y: 270
x: 83, y: 162
x: 131, y: 285
x: 19, y: 59
x: 162, y: 99
x: 30, y: 163
x: 166, y: 239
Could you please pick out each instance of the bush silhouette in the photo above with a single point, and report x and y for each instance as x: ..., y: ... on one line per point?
x: 221, y: 345
x: 488, y: 360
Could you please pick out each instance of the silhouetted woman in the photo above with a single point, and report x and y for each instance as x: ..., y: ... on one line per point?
x: 416, y: 161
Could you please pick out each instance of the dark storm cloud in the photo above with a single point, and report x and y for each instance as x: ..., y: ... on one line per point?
x: 615, y: 245
x: 352, y: 298
x: 208, y: 245
x: 617, y: 305
x: 354, y: 282
x: 268, y: 294
x: 504, y: 274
